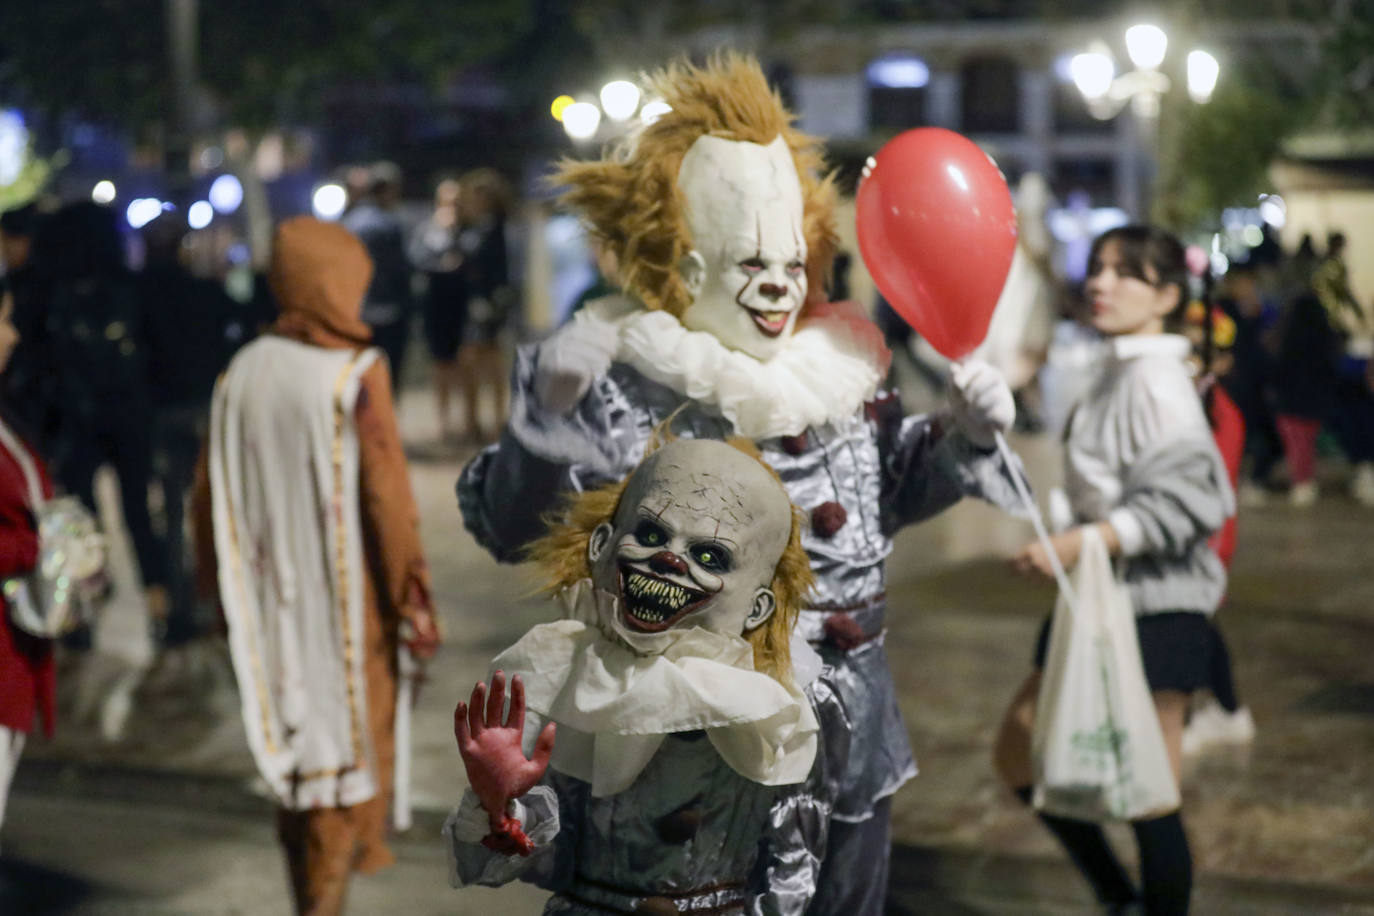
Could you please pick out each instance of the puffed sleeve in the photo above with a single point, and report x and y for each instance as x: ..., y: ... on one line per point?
x: 1176, y: 490
x: 928, y: 466
x: 550, y: 814
x: 798, y: 826
x: 506, y: 491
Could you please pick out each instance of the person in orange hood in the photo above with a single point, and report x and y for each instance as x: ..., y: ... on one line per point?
x: 311, y: 534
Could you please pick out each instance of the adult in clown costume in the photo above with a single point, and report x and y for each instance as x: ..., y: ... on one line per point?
x: 723, y: 225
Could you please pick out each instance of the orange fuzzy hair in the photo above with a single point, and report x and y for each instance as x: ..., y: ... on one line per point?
x: 630, y: 197
x: 561, y: 556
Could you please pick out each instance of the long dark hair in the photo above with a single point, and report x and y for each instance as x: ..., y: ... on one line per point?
x: 1145, y: 250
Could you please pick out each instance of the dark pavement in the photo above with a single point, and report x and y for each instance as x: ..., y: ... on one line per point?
x: 146, y: 802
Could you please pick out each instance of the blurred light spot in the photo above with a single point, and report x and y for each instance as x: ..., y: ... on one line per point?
x: 560, y: 105
x: 898, y: 72
x: 142, y: 211
x: 104, y: 192
x: 581, y: 119
x: 1220, y: 263
x: 654, y: 110
x: 1092, y: 73
x: 328, y: 201
x: 1203, y: 70
x: 1146, y: 45
x: 226, y: 194
x: 1252, y: 235
x: 619, y: 98
x: 212, y: 157
x: 1273, y: 210
x: 14, y: 145
x: 200, y: 214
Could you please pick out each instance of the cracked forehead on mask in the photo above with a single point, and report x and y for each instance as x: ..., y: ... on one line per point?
x: 702, y: 490
x: 744, y: 209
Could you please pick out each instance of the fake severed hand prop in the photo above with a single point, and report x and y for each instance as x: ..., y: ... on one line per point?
x: 496, y: 765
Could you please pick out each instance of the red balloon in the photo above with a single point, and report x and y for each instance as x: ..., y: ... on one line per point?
x: 937, y: 231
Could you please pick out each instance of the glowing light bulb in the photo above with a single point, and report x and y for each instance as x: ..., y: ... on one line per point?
x: 226, y: 193
x: 1203, y: 71
x: 1146, y: 45
x: 328, y: 201
x: 559, y: 106
x: 619, y: 99
x: 581, y: 119
x: 1092, y: 73
x: 199, y: 215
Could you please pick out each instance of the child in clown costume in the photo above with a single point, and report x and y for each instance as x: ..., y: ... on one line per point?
x: 724, y: 230
x: 697, y: 752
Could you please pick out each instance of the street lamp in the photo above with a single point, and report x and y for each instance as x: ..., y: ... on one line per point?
x: 620, y: 99
x: 1094, y: 73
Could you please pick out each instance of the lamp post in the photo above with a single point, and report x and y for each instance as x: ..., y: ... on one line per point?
x: 1106, y: 92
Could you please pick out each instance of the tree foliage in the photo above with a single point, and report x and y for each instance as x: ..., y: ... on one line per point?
x: 259, y: 59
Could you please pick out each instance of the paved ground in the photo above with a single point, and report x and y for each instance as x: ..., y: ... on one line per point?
x: 145, y: 804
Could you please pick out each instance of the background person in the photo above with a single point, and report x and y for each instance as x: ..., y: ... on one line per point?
x: 483, y: 205
x: 27, y: 674
x: 96, y: 327
x: 1142, y: 467
x: 374, y: 219
x: 434, y: 250
x: 305, y: 456
x: 187, y: 322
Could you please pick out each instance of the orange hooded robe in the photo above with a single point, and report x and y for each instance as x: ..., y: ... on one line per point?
x: 318, y: 276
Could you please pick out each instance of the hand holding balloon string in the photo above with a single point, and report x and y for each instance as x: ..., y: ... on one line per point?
x: 937, y: 231
x: 497, y: 768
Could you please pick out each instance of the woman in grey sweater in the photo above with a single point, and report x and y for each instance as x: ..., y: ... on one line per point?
x: 1141, y: 467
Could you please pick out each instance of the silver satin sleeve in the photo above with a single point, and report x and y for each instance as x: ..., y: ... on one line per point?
x: 872, y: 473
x: 798, y: 823
x: 929, y: 466
x: 505, y: 492
x: 546, y: 821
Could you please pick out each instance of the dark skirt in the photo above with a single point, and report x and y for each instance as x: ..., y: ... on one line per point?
x: 446, y: 313
x: 1175, y: 648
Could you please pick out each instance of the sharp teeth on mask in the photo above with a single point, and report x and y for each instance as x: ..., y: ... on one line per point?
x: 658, y: 599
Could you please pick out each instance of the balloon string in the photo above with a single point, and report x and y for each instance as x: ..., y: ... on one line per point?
x: 1040, y: 531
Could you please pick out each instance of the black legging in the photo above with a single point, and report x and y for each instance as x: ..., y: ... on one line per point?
x: 1166, y: 864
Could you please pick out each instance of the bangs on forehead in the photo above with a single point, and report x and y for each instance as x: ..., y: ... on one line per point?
x: 1131, y: 260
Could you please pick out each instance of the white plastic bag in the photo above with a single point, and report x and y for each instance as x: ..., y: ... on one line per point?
x: 1097, y: 749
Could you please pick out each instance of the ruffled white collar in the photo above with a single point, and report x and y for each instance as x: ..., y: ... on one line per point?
x: 832, y: 364
x: 614, y: 706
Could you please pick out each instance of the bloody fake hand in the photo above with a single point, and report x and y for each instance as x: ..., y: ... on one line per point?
x: 497, y: 767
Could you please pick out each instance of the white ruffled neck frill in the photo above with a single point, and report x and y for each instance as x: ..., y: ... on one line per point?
x: 614, y: 706
x: 832, y: 363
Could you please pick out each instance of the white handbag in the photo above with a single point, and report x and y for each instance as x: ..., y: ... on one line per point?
x: 1097, y: 750
x: 63, y: 589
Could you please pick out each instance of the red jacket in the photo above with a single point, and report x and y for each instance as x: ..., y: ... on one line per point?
x: 27, y: 678
x: 1228, y: 428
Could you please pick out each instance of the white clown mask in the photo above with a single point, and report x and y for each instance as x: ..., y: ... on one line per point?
x: 747, y: 270
x: 695, y: 542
